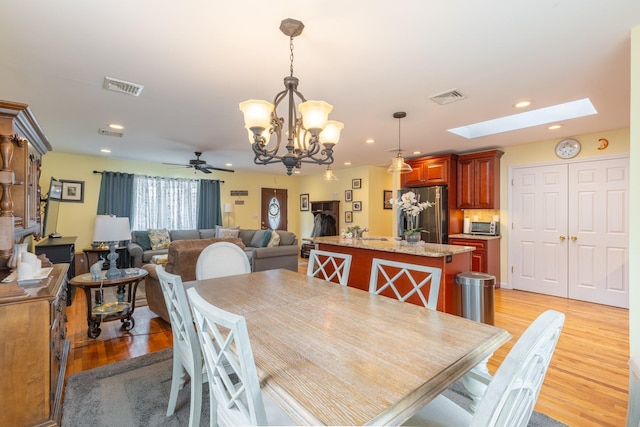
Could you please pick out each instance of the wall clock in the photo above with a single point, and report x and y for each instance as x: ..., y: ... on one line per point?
x: 568, y: 148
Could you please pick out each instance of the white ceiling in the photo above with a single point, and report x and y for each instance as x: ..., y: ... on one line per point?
x: 198, y: 59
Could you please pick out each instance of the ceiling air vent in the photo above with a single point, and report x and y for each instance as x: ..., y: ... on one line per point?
x: 110, y: 133
x: 447, y: 97
x: 121, y: 86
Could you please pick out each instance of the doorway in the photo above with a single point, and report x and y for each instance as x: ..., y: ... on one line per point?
x: 569, y: 230
x: 273, y: 208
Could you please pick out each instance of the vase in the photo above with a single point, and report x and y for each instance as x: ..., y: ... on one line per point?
x: 413, y: 238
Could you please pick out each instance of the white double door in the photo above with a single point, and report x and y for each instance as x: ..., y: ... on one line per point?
x: 569, y: 231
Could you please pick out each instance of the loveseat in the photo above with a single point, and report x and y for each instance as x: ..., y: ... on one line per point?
x: 282, y: 253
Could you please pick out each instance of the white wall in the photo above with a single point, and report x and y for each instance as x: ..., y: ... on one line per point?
x: 634, y: 232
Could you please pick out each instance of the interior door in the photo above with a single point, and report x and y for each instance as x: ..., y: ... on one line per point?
x: 538, y: 245
x: 273, y: 207
x: 598, y: 232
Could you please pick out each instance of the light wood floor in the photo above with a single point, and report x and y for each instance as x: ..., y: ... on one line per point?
x: 586, y: 385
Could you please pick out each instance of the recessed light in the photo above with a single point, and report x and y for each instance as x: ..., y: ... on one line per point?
x: 417, y: 152
x: 116, y: 126
x: 522, y: 104
x: 228, y: 164
x: 370, y: 141
x: 541, y: 116
x: 554, y: 127
x: 347, y: 163
x: 296, y: 172
x: 105, y: 150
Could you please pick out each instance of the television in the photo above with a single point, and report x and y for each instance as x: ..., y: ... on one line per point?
x: 52, y: 209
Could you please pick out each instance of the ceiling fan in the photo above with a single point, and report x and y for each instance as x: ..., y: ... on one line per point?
x: 200, y: 165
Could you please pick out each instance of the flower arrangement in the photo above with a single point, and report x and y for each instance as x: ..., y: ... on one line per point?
x: 411, y: 206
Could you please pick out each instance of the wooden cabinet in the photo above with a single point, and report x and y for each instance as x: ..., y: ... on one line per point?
x: 33, y: 352
x: 431, y: 170
x: 479, y: 180
x: 486, y: 256
x: 22, y: 144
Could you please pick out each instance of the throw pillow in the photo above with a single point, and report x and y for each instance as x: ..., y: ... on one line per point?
x: 219, y: 227
x: 266, y: 238
x: 257, y: 238
x: 142, y: 239
x: 159, y: 239
x: 274, y: 241
x: 228, y: 232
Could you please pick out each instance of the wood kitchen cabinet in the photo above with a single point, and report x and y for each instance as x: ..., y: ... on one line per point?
x: 486, y: 257
x: 431, y: 170
x: 479, y: 180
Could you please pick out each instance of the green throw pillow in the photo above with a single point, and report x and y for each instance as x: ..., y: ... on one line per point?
x: 142, y: 239
x: 265, y: 239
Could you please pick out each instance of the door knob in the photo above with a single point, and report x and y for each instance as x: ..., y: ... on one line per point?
x: 563, y: 237
x: 574, y: 238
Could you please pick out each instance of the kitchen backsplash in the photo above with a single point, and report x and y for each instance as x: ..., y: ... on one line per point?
x: 482, y: 214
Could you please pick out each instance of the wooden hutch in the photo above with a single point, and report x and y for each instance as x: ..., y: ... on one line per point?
x: 33, y: 345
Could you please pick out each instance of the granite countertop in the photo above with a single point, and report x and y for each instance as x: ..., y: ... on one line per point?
x: 390, y: 244
x: 473, y: 236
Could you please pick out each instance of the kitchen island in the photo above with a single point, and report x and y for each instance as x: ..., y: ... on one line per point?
x: 451, y: 259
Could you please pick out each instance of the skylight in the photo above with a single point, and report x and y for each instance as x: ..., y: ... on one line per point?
x: 541, y: 116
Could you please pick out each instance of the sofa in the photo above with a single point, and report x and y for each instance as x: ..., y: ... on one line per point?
x: 182, y: 255
x: 284, y: 254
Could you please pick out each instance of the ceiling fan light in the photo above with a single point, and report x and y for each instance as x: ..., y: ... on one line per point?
x: 331, y: 133
x: 398, y: 165
x: 257, y: 114
x: 315, y: 115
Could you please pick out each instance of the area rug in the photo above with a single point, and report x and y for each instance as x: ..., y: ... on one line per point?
x: 135, y: 393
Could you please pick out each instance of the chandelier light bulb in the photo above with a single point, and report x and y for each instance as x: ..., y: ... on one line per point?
x: 331, y: 133
x: 315, y: 115
x: 257, y: 114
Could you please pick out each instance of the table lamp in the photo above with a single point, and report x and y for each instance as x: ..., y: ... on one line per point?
x: 112, y: 230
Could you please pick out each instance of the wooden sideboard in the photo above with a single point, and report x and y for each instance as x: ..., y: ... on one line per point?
x: 22, y: 145
x: 33, y: 351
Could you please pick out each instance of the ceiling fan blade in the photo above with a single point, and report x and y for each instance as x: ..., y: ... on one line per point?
x: 202, y: 169
x: 215, y: 168
x: 178, y: 164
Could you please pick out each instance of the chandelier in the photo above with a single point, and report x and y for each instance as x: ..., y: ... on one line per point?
x: 310, y: 136
x: 398, y: 164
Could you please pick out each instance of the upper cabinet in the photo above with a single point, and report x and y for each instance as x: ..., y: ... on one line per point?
x: 432, y: 170
x: 22, y: 145
x: 479, y: 180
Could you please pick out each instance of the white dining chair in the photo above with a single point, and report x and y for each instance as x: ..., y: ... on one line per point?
x: 233, y: 378
x: 329, y: 265
x: 385, y: 274
x: 221, y: 259
x: 187, y: 356
x: 514, y: 389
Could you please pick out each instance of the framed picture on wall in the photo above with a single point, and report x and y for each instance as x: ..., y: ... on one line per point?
x: 386, y: 196
x: 72, y: 191
x: 356, y: 183
x: 357, y: 206
x: 304, y: 202
x: 348, y: 216
x: 348, y: 195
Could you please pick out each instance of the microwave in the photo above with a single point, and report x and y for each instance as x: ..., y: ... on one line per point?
x: 491, y: 228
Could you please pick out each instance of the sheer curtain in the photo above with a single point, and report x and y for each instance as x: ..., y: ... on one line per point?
x: 170, y: 203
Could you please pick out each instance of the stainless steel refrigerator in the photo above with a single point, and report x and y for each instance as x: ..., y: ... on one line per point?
x: 434, y: 220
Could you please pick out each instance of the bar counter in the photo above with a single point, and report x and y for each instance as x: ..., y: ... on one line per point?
x: 451, y: 259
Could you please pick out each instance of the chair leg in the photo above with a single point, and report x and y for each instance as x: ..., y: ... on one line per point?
x: 196, y: 401
x: 177, y: 382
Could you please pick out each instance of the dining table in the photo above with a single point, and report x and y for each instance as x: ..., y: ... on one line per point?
x: 336, y: 355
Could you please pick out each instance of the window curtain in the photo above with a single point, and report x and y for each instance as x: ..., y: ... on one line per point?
x: 169, y: 203
x: 115, y: 198
x: 209, y: 211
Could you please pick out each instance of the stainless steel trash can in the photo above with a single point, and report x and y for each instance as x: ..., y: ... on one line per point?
x: 476, y: 299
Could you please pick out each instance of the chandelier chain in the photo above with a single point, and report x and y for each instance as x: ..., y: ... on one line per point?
x: 291, y: 57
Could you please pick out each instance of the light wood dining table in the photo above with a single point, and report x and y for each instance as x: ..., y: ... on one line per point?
x: 336, y: 355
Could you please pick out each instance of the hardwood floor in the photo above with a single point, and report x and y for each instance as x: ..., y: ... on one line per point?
x: 586, y: 385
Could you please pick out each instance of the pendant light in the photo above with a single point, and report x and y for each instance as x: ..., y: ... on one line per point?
x: 398, y: 164
x: 328, y: 175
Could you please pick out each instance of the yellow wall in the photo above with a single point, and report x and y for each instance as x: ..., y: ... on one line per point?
x: 634, y: 231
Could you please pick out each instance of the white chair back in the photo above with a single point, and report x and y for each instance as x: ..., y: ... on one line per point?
x: 418, y: 276
x: 221, y: 259
x: 329, y: 265
x: 225, y: 341
x: 187, y: 356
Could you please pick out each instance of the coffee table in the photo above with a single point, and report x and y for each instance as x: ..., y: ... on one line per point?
x: 99, y: 310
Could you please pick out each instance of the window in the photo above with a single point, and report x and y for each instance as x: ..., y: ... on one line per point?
x: 170, y: 203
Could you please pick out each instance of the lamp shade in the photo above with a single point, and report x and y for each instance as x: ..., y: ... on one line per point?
x: 111, y: 229
x: 315, y: 114
x: 257, y: 114
x: 328, y: 175
x: 331, y: 133
x: 398, y: 165
x: 228, y: 208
